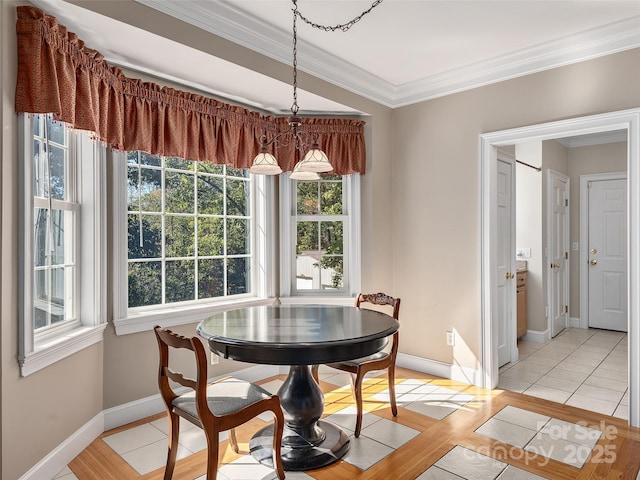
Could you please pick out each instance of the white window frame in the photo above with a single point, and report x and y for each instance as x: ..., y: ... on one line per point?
x: 352, y: 246
x: 88, y: 172
x: 141, y: 319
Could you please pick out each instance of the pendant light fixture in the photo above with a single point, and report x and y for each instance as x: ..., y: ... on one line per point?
x: 315, y: 161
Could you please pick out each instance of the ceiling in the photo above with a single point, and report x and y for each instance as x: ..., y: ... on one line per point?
x: 402, y: 52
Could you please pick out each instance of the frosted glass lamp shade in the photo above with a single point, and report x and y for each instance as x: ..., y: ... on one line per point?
x: 315, y: 161
x: 303, y: 176
x: 265, y: 164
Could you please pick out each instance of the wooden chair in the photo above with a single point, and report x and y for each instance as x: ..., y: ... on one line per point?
x: 359, y: 367
x: 215, y: 407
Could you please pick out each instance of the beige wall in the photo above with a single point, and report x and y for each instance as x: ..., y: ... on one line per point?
x: 436, y: 195
x: 528, y: 231
x: 611, y: 157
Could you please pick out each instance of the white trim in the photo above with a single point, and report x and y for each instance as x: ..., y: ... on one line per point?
x: 346, y: 301
x: 594, y: 139
x: 623, y: 120
x: 584, y: 237
x: 537, y: 336
x: 577, y: 322
x: 229, y: 22
x: 440, y: 369
x: 61, y: 346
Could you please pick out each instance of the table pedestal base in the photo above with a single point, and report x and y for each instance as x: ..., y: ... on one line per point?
x: 296, y: 453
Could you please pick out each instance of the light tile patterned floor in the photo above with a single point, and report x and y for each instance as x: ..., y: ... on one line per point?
x: 585, y: 368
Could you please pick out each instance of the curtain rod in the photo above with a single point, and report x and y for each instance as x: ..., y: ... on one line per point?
x: 530, y: 166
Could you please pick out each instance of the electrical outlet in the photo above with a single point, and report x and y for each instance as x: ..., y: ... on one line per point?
x: 215, y: 359
x: 451, y: 339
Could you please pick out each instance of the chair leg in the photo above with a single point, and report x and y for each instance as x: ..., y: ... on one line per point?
x: 233, y: 440
x: 391, y: 375
x: 172, y: 452
x: 314, y: 373
x: 212, y: 454
x: 357, y: 392
x: 277, y: 443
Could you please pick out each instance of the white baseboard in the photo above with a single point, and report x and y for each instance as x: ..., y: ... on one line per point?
x: 440, y: 369
x: 575, y: 322
x: 537, y: 336
x: 60, y: 457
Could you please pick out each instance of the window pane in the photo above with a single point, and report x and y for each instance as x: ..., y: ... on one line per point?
x: 180, y: 275
x: 55, y: 131
x: 178, y: 163
x: 41, y: 240
x: 210, y: 168
x: 151, y: 160
x: 61, y: 228
x: 331, y: 239
x: 57, y: 172
x: 150, y: 189
x: 61, y: 290
x: 40, y: 182
x: 145, y: 237
x: 238, y: 198
x: 307, y: 272
x: 145, y: 284
x: 41, y: 304
x: 179, y: 236
x: 132, y: 158
x: 210, y: 278
x: 238, y: 276
x: 307, y: 238
x: 307, y: 198
x: 331, y: 198
x: 210, y: 236
x: 237, y: 172
x: 210, y: 195
x: 179, y: 192
x: 331, y: 272
x: 238, y: 238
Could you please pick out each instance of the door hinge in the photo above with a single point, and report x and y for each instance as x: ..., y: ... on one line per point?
x: 566, y: 202
x: 566, y: 255
x: 566, y: 309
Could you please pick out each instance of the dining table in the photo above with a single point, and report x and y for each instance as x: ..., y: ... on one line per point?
x: 298, y: 336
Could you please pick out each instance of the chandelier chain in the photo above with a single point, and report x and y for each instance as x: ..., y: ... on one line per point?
x: 294, y: 107
x: 343, y: 26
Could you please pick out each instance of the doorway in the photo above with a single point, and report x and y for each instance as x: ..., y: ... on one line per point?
x: 628, y: 120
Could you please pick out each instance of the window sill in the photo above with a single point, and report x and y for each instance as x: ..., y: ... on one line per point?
x: 61, y: 346
x: 171, y: 316
x: 311, y: 300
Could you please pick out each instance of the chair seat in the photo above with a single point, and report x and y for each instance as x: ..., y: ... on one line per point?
x: 225, y: 397
x: 359, y: 361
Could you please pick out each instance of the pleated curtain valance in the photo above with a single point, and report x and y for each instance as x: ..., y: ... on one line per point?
x: 58, y: 74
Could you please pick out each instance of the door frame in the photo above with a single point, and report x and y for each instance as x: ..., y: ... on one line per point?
x: 551, y: 174
x: 584, y: 235
x: 628, y: 120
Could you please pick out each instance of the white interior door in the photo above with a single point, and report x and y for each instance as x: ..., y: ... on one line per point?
x: 504, y: 313
x: 558, y: 250
x: 607, y: 234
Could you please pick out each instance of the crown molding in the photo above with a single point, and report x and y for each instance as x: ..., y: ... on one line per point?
x: 234, y: 25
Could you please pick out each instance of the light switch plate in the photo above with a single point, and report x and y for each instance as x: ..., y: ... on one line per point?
x: 523, y: 253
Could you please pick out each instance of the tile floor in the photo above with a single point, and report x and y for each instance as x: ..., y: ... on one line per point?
x: 585, y: 368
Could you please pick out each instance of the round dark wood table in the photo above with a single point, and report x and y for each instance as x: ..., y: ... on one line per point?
x: 299, y: 336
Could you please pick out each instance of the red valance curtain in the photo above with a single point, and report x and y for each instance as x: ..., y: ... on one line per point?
x: 58, y: 74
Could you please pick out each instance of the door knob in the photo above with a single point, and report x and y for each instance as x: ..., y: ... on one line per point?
x: 509, y: 275
x: 593, y: 262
